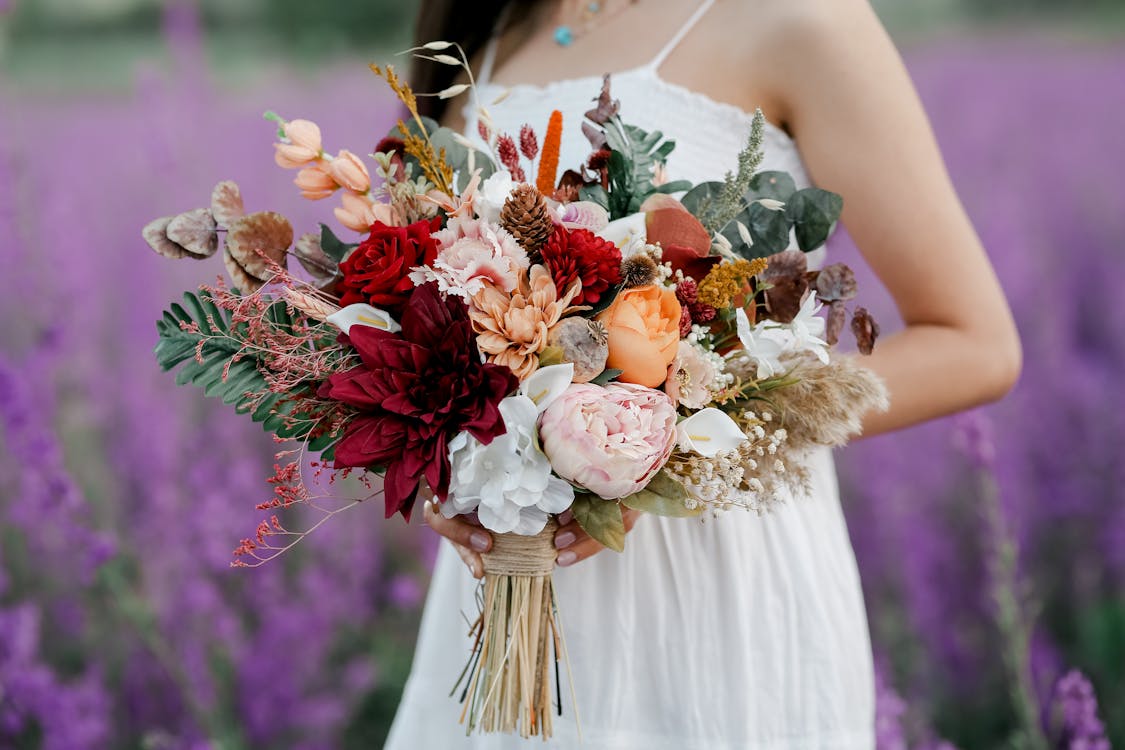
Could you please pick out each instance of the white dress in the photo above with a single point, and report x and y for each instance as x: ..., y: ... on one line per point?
x: 742, y: 631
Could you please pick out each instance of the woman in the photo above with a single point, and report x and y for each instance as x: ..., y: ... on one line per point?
x: 743, y: 632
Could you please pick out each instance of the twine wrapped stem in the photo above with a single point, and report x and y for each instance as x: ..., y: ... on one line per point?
x: 508, y: 685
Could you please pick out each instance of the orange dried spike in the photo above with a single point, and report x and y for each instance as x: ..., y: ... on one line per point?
x: 549, y: 156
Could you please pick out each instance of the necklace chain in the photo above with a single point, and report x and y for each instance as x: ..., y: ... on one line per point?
x: 589, y: 12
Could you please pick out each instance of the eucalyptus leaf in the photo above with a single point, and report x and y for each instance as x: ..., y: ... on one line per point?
x: 814, y: 213
x: 594, y: 194
x: 551, y: 355
x: 606, y: 377
x: 333, y: 246
x: 776, y: 185
x: 769, y: 232
x: 601, y: 519
x: 676, y: 186
x: 456, y: 153
x: 699, y: 198
x: 663, y: 496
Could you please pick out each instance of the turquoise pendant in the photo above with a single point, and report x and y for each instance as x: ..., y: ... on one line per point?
x: 563, y: 35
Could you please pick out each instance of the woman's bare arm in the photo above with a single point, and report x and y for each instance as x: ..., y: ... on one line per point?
x: 863, y: 133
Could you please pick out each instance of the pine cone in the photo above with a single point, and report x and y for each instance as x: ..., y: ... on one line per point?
x: 526, y: 216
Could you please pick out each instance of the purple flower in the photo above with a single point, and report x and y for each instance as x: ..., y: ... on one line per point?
x: 1074, y: 723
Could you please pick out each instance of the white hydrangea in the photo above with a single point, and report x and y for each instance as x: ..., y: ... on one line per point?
x: 509, y: 481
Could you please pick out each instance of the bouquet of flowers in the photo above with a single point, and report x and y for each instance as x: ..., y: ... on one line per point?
x: 582, y: 341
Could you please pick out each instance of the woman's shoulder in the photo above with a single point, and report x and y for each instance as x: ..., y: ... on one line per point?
x: 780, y: 43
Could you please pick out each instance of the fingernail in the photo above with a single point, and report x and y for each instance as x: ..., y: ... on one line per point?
x: 565, y: 539
x: 565, y: 517
x: 567, y: 558
x: 478, y: 540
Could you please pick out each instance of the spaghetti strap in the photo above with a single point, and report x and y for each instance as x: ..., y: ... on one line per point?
x: 679, y: 37
x: 489, y: 60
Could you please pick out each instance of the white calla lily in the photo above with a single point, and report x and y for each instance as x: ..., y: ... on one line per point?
x: 708, y: 432
x: 628, y: 233
x: 364, y: 315
x: 547, y: 383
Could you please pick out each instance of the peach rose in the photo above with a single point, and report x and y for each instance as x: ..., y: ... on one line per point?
x: 644, y: 334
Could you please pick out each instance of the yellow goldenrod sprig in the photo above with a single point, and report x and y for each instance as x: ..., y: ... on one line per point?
x: 433, y: 163
x: 726, y: 280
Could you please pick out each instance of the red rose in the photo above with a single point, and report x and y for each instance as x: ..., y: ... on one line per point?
x: 581, y: 254
x: 378, y: 271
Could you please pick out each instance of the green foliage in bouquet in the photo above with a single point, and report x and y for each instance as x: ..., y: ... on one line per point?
x: 207, y: 344
x: 756, y: 211
x: 450, y: 146
x: 632, y: 164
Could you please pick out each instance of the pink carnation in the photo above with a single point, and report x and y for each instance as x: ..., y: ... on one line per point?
x: 610, y: 440
x: 473, y: 253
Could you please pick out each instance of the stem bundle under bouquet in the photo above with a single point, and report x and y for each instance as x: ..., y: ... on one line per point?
x: 525, y: 342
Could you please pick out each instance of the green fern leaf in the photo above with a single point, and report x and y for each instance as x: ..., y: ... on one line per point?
x: 237, y: 382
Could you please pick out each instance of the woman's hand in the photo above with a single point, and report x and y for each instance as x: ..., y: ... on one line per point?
x: 574, y: 544
x: 470, y: 539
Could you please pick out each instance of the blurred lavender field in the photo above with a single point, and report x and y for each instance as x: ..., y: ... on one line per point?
x: 121, y: 496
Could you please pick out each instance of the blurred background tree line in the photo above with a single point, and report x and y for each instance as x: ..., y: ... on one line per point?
x: 36, y: 34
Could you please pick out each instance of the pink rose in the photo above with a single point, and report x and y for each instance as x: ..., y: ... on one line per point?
x: 610, y: 440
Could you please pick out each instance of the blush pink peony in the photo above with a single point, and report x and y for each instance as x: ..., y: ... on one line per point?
x: 610, y: 440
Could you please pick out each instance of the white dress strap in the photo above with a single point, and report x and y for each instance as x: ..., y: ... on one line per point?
x: 489, y: 60
x: 679, y: 37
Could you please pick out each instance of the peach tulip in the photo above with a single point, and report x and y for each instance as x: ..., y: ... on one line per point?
x: 359, y: 214
x: 644, y: 334
x: 349, y: 172
x: 303, y: 146
x: 315, y: 183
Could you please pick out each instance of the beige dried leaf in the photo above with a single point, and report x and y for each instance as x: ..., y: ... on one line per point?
x: 156, y: 235
x: 313, y: 259
x: 243, y: 281
x: 195, y: 232
x: 257, y: 238
x: 226, y: 203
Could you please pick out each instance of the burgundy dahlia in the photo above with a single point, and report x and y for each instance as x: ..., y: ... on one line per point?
x: 414, y: 392
x: 581, y: 254
x: 378, y: 271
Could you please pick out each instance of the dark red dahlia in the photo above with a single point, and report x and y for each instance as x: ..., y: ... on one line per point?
x: 378, y: 271
x: 581, y: 254
x: 415, y: 391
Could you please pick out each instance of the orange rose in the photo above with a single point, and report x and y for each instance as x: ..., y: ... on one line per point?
x: 644, y: 334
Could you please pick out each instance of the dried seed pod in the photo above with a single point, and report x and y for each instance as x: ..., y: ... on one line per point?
x: 866, y: 330
x: 583, y: 342
x: 226, y: 203
x: 638, y: 270
x: 253, y: 241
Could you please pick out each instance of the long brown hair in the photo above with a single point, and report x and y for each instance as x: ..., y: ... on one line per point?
x: 470, y: 24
